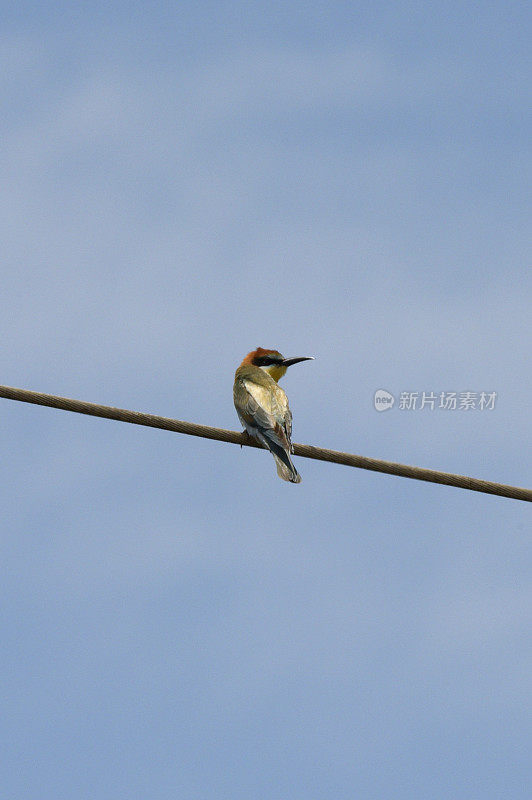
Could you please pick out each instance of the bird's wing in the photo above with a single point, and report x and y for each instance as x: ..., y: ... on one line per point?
x: 288, y: 422
x: 264, y: 412
x: 260, y: 407
x: 282, y: 413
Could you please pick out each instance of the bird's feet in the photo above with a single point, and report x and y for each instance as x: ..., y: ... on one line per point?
x: 246, y: 439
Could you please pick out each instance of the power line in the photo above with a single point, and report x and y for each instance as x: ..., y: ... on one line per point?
x: 234, y: 437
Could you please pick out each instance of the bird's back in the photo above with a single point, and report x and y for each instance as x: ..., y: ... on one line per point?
x: 262, y: 408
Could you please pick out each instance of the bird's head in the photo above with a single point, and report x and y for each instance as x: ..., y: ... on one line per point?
x: 272, y: 362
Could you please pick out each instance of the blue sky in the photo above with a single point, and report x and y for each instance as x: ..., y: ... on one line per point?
x: 182, y: 184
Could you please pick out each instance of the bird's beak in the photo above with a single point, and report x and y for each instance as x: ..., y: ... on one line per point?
x: 287, y: 362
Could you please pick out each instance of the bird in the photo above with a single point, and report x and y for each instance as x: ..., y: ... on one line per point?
x: 262, y: 405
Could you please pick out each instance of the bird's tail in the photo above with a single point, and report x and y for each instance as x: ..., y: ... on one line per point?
x: 285, y: 467
x: 287, y: 472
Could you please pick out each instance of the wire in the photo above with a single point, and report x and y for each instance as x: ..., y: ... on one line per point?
x: 234, y: 437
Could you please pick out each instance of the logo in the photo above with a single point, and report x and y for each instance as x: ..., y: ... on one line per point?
x: 383, y: 400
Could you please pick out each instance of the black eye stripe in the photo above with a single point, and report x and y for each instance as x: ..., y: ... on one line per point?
x: 266, y: 361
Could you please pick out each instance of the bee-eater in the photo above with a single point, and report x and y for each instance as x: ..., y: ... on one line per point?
x: 262, y: 406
